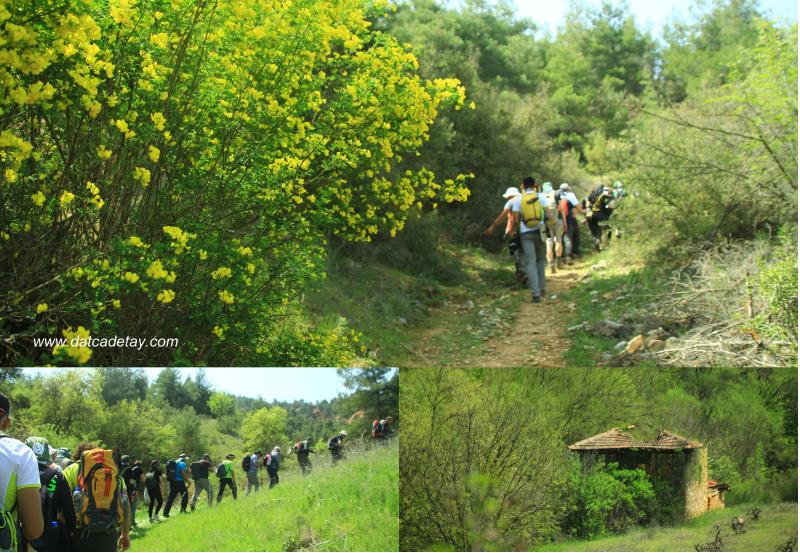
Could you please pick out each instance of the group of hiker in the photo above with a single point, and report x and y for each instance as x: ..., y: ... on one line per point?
x: 87, y: 501
x: 542, y: 226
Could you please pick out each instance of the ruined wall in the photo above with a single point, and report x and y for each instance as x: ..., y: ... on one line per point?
x: 695, y: 481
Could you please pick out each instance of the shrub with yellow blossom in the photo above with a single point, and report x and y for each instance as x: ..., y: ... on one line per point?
x: 173, y: 168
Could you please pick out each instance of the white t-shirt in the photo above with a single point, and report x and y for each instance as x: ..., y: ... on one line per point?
x: 509, y: 220
x: 571, y: 197
x: 516, y: 207
x: 18, y: 470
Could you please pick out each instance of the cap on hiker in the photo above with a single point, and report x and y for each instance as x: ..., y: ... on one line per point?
x: 40, y: 448
x: 126, y: 459
x: 547, y: 187
x: 564, y: 186
x: 511, y: 191
x: 183, y: 456
x: 309, y: 439
x: 205, y: 456
x: 229, y: 456
x: 343, y: 433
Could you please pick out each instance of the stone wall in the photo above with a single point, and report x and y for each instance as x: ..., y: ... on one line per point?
x: 695, y: 481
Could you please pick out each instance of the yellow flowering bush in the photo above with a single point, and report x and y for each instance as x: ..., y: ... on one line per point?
x: 208, y: 147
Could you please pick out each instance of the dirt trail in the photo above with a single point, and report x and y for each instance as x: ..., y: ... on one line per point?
x: 535, y: 336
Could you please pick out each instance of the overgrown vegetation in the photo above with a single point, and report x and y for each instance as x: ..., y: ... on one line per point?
x: 497, y: 474
x: 117, y: 407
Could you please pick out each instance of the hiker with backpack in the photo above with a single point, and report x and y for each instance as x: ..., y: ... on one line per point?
x: 133, y: 474
x: 302, y: 450
x: 273, y: 464
x: 226, y: 476
x: 152, y: 483
x: 568, y: 206
x: 199, y: 470
x: 555, y: 226
x: 20, y: 496
x: 177, y: 475
x: 514, y: 248
x: 600, y: 206
x: 336, y: 447
x: 58, y: 510
x: 529, y: 214
x: 101, y: 502
x: 380, y: 428
x: 251, y: 465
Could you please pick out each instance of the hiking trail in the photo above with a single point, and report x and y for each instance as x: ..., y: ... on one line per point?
x: 512, y: 331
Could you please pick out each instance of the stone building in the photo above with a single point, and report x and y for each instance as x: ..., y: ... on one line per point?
x: 680, y: 463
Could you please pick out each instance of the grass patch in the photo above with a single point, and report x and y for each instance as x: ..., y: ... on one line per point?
x: 778, y: 523
x: 351, y: 507
x: 619, y: 289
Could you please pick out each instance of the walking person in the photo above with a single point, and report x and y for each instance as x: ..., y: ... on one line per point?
x: 555, y: 225
x: 226, y: 476
x: 336, y: 447
x: 133, y: 476
x: 302, y: 450
x: 273, y: 466
x: 252, y: 471
x: 529, y: 215
x: 104, y: 517
x: 20, y: 486
x: 514, y: 248
x: 153, y: 484
x: 58, y: 510
x: 178, y: 485
x: 199, y: 470
x: 568, y: 206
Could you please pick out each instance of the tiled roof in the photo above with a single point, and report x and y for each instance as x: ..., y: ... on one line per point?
x: 619, y: 439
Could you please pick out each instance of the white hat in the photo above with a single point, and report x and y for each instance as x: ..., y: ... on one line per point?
x: 547, y: 187
x: 564, y: 186
x: 511, y: 192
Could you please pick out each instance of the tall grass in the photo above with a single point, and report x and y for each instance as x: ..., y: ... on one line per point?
x: 353, y: 506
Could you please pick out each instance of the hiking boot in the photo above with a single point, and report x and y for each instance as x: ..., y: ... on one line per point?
x: 166, y: 515
x: 536, y: 299
x: 192, y: 508
x: 553, y: 267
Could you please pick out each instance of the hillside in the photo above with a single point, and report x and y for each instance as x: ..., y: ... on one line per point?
x: 351, y: 507
x: 775, y: 527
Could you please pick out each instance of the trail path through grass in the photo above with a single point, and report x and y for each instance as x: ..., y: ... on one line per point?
x: 493, y: 323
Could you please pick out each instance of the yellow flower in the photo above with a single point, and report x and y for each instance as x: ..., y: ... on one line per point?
x: 158, y: 120
x: 180, y: 237
x: 225, y: 296
x: 142, y: 175
x: 203, y: 255
x: 38, y: 198
x: 155, y: 153
x: 218, y: 331
x: 117, y: 304
x: 160, y: 39
x: 41, y: 308
x: 66, y: 198
x: 222, y: 272
x: 92, y: 187
x: 247, y: 252
x: 166, y: 296
x: 103, y: 152
x: 131, y: 277
x: 122, y: 125
x: 11, y: 176
x: 77, y: 346
x: 251, y: 268
x: 136, y: 242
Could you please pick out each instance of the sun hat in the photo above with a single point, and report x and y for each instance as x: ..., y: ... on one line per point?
x: 511, y: 191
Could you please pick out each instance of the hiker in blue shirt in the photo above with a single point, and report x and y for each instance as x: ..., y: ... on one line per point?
x: 178, y: 484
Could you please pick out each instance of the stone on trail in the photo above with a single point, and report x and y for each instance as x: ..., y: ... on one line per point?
x: 402, y: 320
x: 576, y: 327
x: 635, y: 344
x: 621, y: 345
x: 656, y: 345
x: 609, y: 328
x: 469, y: 304
x: 657, y: 333
x: 599, y: 266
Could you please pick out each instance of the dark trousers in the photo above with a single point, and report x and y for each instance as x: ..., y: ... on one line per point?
x: 97, y: 542
x: 175, y: 488
x: 573, y: 231
x: 273, y: 477
x: 305, y: 464
x: 156, y: 500
x: 226, y: 482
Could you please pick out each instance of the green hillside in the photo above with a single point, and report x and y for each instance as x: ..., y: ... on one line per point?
x: 775, y: 527
x: 351, y: 507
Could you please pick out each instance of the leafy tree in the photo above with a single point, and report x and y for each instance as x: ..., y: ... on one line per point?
x: 221, y: 404
x: 169, y: 390
x: 265, y: 428
x: 123, y: 384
